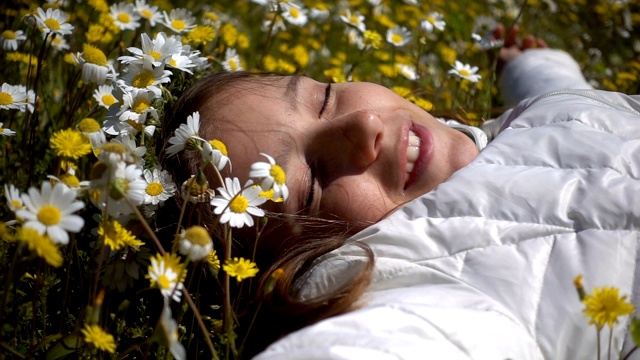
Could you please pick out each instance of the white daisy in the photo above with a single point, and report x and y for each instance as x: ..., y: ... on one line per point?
x: 148, y: 12
x: 170, y: 330
x: 94, y: 63
x: 182, y: 63
x: 14, y: 199
x: 275, y: 24
x: 236, y: 205
x: 354, y: 19
x: 294, y: 14
x: 184, y: 133
x: 215, y: 152
x: 355, y: 38
x: 135, y: 153
x: 398, y: 36
x: 319, y: 12
x: 155, y: 51
x: 159, y: 187
x: 104, y: 96
x: 91, y: 129
x: 71, y: 180
x: 195, y: 243
x: 145, y: 76
x: 124, y: 16
x: 112, y: 196
x: 165, y: 273
x: 272, y: 175
x: 465, y: 71
x: 59, y: 44
x: 10, y: 39
x: 53, y: 21
x: 434, y: 20
x: 196, y: 193
x: 137, y: 105
x: 12, y: 97
x: 231, y: 60
x: 179, y: 20
x: 29, y: 103
x: 200, y: 62
x: 6, y: 132
x: 50, y: 211
x: 408, y: 71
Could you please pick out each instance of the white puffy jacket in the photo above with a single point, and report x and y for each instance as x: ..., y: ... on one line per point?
x: 482, y: 267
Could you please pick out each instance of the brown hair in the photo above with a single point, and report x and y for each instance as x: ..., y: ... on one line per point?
x: 280, y: 310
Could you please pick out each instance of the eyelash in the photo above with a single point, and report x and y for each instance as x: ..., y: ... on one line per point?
x: 311, y: 186
x: 327, y: 97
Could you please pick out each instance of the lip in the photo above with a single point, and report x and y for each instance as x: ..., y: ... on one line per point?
x: 424, y: 157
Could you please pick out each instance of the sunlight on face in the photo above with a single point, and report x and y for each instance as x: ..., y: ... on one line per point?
x: 351, y: 151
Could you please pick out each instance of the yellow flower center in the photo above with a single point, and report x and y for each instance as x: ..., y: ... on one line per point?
x: 143, y: 79
x: 219, y: 145
x: 70, y: 180
x: 52, y: 24
x: 353, y: 19
x: 178, y: 24
x: 431, y: 19
x: 294, y: 13
x: 9, y: 35
x: 173, y: 62
x: 93, y: 55
x: 233, y: 64
x: 198, y: 235
x: 396, y: 38
x: 155, y: 55
x: 88, y: 125
x: 109, y: 99
x: 49, y: 215
x: 141, y: 105
x: 124, y: 18
x: 464, y: 72
x: 278, y: 174
x: 146, y: 13
x: 5, y: 98
x: 239, y: 204
x: 16, y: 204
x: 114, y: 148
x: 164, y: 282
x: 154, y: 189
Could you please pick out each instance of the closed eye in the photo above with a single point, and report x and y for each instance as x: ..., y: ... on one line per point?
x: 327, y: 96
x: 311, y: 187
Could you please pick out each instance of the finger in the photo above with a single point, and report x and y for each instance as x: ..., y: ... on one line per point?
x: 498, y: 32
x: 541, y: 43
x: 529, y: 42
x: 512, y: 36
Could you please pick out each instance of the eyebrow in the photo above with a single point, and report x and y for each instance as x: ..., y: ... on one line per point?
x: 292, y: 91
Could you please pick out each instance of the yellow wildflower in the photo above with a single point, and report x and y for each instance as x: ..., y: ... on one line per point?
x: 70, y: 143
x: 41, y: 244
x: 604, y: 306
x: 240, y: 268
x: 213, y: 260
x: 102, y: 340
x: 117, y: 237
x: 201, y: 35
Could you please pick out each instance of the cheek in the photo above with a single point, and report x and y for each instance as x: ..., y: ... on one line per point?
x: 357, y: 201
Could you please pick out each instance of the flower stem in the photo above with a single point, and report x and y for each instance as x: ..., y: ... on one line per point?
x: 185, y: 292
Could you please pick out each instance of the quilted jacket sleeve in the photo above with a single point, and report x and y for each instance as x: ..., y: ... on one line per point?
x: 539, y: 71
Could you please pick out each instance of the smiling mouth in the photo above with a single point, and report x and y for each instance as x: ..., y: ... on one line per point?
x: 413, y: 152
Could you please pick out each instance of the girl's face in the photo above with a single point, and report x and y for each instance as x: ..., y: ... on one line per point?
x: 351, y: 151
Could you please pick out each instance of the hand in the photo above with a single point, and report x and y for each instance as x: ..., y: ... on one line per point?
x: 513, y: 47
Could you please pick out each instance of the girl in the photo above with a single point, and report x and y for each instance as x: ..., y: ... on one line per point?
x: 475, y: 252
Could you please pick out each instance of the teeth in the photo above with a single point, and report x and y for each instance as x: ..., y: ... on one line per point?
x: 409, y: 167
x: 413, y: 151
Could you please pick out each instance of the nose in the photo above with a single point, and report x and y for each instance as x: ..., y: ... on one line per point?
x: 357, y: 141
